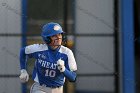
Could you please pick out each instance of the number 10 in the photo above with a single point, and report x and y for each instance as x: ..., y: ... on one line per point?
x: 50, y: 73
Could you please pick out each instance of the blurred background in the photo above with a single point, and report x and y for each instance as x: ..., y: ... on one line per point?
x: 103, y: 34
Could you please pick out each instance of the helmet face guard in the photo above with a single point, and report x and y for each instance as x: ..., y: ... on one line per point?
x: 51, y: 29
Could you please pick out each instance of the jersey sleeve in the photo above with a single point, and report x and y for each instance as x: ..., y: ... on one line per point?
x: 29, y: 51
x: 23, y: 58
x: 31, y: 48
x: 70, y: 73
x: 71, y: 61
x: 25, y: 53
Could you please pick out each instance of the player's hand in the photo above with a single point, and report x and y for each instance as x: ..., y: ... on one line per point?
x: 24, y: 76
x: 61, y: 65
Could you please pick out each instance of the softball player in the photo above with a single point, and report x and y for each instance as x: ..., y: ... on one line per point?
x: 54, y: 62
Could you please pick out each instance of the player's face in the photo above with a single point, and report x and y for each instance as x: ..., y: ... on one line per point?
x: 56, y: 40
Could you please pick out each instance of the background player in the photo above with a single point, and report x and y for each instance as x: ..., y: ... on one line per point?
x: 54, y: 62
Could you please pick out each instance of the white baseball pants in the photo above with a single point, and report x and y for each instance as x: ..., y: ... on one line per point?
x: 37, y: 88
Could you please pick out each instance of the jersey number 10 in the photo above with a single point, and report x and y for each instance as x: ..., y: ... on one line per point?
x: 50, y: 73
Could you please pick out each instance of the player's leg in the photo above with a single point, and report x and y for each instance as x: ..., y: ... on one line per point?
x: 36, y: 88
x: 57, y: 90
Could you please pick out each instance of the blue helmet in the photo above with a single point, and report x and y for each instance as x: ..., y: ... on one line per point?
x: 50, y: 29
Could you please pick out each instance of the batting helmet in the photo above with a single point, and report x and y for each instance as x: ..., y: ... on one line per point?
x: 50, y: 29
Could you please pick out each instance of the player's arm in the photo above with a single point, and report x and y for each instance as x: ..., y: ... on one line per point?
x: 24, y: 76
x: 23, y: 58
x: 29, y: 52
x: 26, y: 52
x: 70, y: 73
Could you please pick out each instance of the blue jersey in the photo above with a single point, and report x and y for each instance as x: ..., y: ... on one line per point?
x: 45, y: 69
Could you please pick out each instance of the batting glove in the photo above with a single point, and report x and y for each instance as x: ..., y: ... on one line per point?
x: 60, y: 65
x: 24, y: 76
